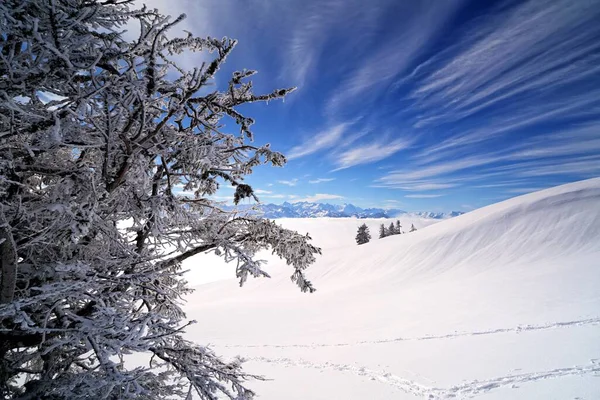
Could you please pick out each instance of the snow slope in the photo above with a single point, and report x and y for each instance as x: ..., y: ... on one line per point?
x: 499, y: 303
x: 327, y: 232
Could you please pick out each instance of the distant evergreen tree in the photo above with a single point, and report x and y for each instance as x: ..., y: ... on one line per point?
x: 392, y: 229
x: 382, y: 231
x: 398, y: 227
x: 363, y: 236
x: 412, y: 228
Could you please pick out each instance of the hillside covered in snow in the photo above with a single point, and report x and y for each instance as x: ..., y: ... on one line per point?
x: 499, y: 303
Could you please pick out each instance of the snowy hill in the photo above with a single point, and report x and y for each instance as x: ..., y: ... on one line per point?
x: 318, y: 210
x: 499, y: 303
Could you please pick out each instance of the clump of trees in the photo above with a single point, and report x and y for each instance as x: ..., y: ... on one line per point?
x: 363, y: 236
x: 97, y: 135
x: 393, y: 229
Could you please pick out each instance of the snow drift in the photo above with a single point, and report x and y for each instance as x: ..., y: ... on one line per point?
x: 502, y: 302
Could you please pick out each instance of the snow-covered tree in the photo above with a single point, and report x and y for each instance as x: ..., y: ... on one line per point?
x: 392, y: 229
x: 382, y: 231
x: 398, y: 227
x: 97, y: 136
x: 412, y: 228
x: 363, y: 236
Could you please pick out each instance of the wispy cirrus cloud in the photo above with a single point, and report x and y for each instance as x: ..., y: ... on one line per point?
x: 319, y: 197
x: 291, y: 182
x: 398, y: 51
x: 391, y: 203
x: 497, y: 65
x: 512, y: 123
x: 368, y: 153
x: 588, y: 167
x: 313, y: 25
x: 319, y: 141
x: 537, y: 46
x: 414, y: 186
x: 525, y: 190
x: 504, y: 100
x: 321, y: 180
x: 577, y: 148
x: 423, y: 196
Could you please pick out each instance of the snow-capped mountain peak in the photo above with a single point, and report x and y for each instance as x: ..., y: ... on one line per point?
x: 315, y: 210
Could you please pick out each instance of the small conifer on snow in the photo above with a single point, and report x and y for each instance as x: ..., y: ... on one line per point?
x: 363, y: 236
x: 382, y: 231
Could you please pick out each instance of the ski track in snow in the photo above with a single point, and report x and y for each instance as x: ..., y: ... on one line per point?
x: 518, y: 329
x: 461, y: 391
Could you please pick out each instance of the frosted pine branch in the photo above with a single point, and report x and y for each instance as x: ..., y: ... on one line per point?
x: 97, y: 133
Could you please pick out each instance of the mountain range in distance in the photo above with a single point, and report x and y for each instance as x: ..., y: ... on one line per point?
x: 319, y: 210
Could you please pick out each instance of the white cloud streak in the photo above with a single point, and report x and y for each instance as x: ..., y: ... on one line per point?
x: 535, y: 47
x: 276, y: 196
x: 525, y: 190
x: 311, y: 25
x: 368, y: 153
x: 291, y: 182
x: 423, y: 196
x: 385, y: 63
x: 488, y: 104
x: 318, y: 197
x: 321, y: 180
x: 504, y: 98
x: 320, y: 141
x: 577, y: 147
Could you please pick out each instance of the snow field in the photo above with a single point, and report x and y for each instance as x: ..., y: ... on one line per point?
x: 502, y: 302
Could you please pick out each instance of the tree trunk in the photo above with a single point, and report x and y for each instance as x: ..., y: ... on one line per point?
x: 8, y: 262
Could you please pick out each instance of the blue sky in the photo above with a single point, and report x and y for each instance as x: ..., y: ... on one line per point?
x: 419, y: 105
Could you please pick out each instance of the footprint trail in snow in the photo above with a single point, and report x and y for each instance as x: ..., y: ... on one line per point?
x: 463, y: 390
